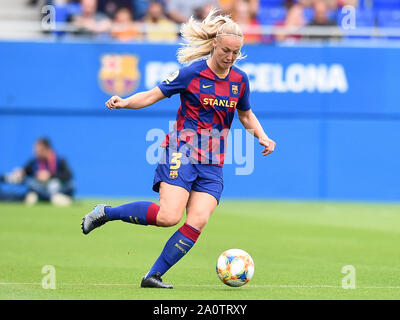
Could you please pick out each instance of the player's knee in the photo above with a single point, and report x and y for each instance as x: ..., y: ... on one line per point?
x: 168, y: 218
x: 198, y: 221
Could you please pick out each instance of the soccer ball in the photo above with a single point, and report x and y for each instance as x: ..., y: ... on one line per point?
x: 235, y: 267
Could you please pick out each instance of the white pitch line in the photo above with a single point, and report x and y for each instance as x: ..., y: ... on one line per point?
x: 294, y: 286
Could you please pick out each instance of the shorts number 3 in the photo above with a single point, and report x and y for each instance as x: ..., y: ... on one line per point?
x: 175, y: 160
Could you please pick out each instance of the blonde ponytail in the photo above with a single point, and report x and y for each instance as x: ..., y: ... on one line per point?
x: 198, y: 36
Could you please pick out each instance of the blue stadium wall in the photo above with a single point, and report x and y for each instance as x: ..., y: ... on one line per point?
x: 333, y: 111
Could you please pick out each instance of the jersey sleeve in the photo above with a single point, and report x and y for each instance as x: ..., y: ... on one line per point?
x: 176, y: 82
x: 244, y: 100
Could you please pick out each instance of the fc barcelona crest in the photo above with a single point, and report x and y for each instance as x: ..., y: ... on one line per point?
x: 173, y: 174
x: 235, y: 89
x: 119, y: 74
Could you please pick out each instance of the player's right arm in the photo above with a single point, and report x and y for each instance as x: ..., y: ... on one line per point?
x: 175, y: 83
x: 137, y: 101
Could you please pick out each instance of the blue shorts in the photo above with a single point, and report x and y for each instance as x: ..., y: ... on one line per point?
x: 179, y: 169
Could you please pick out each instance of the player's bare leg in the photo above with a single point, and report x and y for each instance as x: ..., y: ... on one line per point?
x: 173, y: 200
x: 199, y: 209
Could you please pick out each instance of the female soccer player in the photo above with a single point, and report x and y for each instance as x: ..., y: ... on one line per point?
x: 189, y: 174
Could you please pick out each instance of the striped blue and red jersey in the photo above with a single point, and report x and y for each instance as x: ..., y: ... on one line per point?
x: 207, y: 109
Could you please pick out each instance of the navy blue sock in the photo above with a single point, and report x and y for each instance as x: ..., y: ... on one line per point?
x: 175, y: 248
x: 140, y: 212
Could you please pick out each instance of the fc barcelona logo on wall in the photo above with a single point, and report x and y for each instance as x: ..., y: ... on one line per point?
x: 235, y: 89
x: 119, y: 74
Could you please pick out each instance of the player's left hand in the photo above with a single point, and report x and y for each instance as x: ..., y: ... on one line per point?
x: 268, y: 144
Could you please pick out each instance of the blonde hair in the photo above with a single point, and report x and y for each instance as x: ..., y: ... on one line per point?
x: 198, y: 36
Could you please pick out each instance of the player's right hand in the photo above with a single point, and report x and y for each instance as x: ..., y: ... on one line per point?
x: 116, y: 102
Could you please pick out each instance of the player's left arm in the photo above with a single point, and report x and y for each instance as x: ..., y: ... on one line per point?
x: 252, y: 125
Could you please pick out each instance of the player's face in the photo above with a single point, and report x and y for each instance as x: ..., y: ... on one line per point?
x: 226, y: 50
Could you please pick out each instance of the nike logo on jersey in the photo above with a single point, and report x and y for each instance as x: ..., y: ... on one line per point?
x: 205, y: 87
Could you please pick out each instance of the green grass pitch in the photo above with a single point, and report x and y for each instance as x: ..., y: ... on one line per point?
x: 299, y: 250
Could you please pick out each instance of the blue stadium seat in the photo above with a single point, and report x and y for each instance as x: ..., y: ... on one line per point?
x: 309, y: 14
x: 362, y: 4
x: 63, y: 12
x: 364, y: 18
x: 271, y: 3
x: 270, y: 16
x: 386, y: 4
x: 389, y: 18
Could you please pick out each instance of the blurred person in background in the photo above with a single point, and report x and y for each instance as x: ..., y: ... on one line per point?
x: 110, y: 7
x: 47, y: 176
x: 124, y: 28
x: 321, y: 19
x: 202, y: 12
x: 90, y: 22
x: 304, y: 3
x: 294, y: 20
x: 342, y: 3
x: 181, y: 10
x: 242, y: 15
x: 227, y: 6
x: 160, y: 28
x: 331, y: 4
